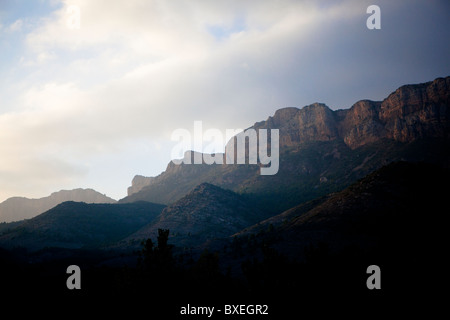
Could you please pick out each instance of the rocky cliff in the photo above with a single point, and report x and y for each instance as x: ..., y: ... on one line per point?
x: 138, y: 183
x: 19, y: 208
x: 409, y: 113
x: 325, y: 149
x: 416, y: 111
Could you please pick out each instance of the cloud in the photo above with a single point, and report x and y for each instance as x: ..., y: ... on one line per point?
x: 103, y: 99
x: 15, y: 26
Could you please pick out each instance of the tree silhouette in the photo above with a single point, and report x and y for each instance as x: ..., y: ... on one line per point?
x: 159, y: 259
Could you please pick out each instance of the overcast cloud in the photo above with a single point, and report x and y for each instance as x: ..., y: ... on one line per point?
x: 92, y: 107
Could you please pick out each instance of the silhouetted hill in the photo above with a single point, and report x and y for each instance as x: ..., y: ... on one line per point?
x: 396, y: 211
x: 79, y: 225
x: 19, y: 208
x: 205, y: 213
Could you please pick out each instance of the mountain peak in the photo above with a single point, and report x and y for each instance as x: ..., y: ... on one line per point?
x: 19, y: 208
x: 206, y: 187
x: 284, y: 114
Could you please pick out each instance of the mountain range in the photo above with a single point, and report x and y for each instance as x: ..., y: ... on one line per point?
x: 360, y: 187
x: 322, y: 152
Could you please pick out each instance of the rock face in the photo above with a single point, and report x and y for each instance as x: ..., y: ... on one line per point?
x: 413, y: 112
x: 360, y: 124
x: 409, y: 113
x: 315, y: 122
x: 138, y: 183
x: 19, y: 208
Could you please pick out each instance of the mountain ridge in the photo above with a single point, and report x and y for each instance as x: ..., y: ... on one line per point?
x: 20, y: 208
x: 206, y: 212
x: 77, y: 225
x: 408, y: 113
x: 322, y: 150
x: 206, y: 202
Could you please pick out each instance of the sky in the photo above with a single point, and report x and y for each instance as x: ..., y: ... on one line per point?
x: 91, y: 91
